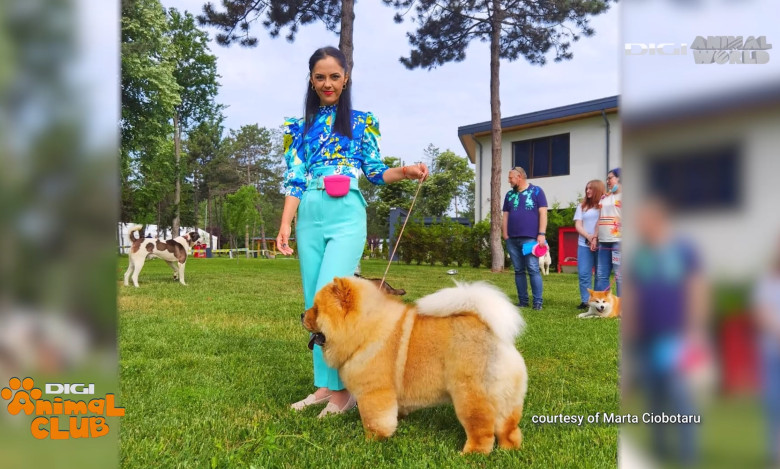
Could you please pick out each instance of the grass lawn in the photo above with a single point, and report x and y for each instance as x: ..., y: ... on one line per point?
x: 208, y: 371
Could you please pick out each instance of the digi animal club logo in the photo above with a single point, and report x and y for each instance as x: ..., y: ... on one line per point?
x: 60, y: 419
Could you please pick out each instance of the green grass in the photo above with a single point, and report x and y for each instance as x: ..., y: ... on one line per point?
x: 208, y: 372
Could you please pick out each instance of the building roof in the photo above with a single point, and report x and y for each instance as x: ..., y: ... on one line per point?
x: 728, y: 104
x: 554, y: 115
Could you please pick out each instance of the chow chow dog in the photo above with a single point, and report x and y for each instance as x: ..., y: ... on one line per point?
x: 603, y: 304
x: 456, y: 345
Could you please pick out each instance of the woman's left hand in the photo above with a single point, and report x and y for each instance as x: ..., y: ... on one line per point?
x: 417, y: 171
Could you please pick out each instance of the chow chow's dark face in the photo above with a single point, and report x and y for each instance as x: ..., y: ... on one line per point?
x: 333, y: 311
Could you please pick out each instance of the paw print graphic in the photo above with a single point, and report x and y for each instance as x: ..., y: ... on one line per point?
x: 22, y: 400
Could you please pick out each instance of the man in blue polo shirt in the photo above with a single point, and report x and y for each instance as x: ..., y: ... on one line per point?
x: 525, y: 221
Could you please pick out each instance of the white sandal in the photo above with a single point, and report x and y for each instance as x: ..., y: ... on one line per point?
x: 311, y: 399
x: 332, y: 408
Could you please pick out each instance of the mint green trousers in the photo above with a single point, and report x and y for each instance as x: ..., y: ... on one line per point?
x: 330, y: 235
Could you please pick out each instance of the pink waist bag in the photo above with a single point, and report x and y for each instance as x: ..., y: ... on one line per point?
x: 337, y: 185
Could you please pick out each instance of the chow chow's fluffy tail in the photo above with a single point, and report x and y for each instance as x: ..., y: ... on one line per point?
x: 490, y: 304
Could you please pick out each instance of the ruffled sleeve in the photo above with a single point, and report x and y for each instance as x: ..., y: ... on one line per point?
x: 295, y: 176
x: 373, y: 167
x: 578, y: 212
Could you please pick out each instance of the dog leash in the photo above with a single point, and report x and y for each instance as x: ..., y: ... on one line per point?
x: 400, y: 233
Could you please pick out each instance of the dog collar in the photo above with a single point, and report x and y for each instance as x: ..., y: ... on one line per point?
x: 317, y: 338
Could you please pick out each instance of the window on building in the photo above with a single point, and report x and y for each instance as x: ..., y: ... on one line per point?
x: 697, y: 179
x: 543, y: 157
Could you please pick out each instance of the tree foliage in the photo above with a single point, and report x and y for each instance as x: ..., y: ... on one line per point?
x: 514, y: 28
x: 169, y: 86
x: 149, y: 94
x: 195, y: 71
x: 257, y: 155
x: 148, y: 88
x: 396, y: 195
x: 242, y: 215
x: 237, y: 16
x: 527, y: 28
x: 450, y: 175
x: 445, y: 189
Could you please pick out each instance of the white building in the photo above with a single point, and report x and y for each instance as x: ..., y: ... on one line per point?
x: 715, y: 161
x: 561, y: 149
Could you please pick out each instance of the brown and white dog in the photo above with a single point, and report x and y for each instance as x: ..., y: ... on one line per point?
x: 173, y: 251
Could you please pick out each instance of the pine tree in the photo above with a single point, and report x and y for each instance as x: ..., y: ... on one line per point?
x: 514, y: 29
x: 235, y: 20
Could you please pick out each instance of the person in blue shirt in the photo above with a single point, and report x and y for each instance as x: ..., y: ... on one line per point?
x: 525, y: 221
x: 331, y: 140
x: 665, y: 325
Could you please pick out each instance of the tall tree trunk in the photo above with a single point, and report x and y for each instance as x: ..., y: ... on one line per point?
x: 345, y: 37
x: 263, y: 243
x: 208, y: 219
x: 195, y: 199
x: 177, y: 158
x: 496, y: 249
x: 218, y: 211
x: 246, y: 240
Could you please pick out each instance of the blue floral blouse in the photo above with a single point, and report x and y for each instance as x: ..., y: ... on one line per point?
x: 322, y: 152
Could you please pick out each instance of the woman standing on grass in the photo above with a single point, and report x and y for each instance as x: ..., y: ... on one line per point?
x: 331, y: 141
x: 586, y: 218
x: 609, y: 234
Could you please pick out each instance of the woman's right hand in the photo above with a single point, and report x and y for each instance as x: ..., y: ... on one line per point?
x: 283, y: 239
x: 416, y: 171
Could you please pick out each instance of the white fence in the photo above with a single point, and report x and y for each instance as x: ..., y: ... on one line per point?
x: 123, y: 240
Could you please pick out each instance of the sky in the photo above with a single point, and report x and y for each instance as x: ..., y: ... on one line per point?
x: 267, y: 83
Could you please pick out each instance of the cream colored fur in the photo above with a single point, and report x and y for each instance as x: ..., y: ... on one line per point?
x: 456, y: 345
x: 545, y: 262
x: 482, y: 298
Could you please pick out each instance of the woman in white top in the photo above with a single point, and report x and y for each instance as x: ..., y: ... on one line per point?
x: 586, y: 218
x: 610, y: 229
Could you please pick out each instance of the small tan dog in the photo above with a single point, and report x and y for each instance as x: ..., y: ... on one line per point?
x: 456, y: 345
x: 603, y: 304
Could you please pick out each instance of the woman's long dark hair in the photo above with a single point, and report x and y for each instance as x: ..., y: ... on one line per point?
x: 343, y: 123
